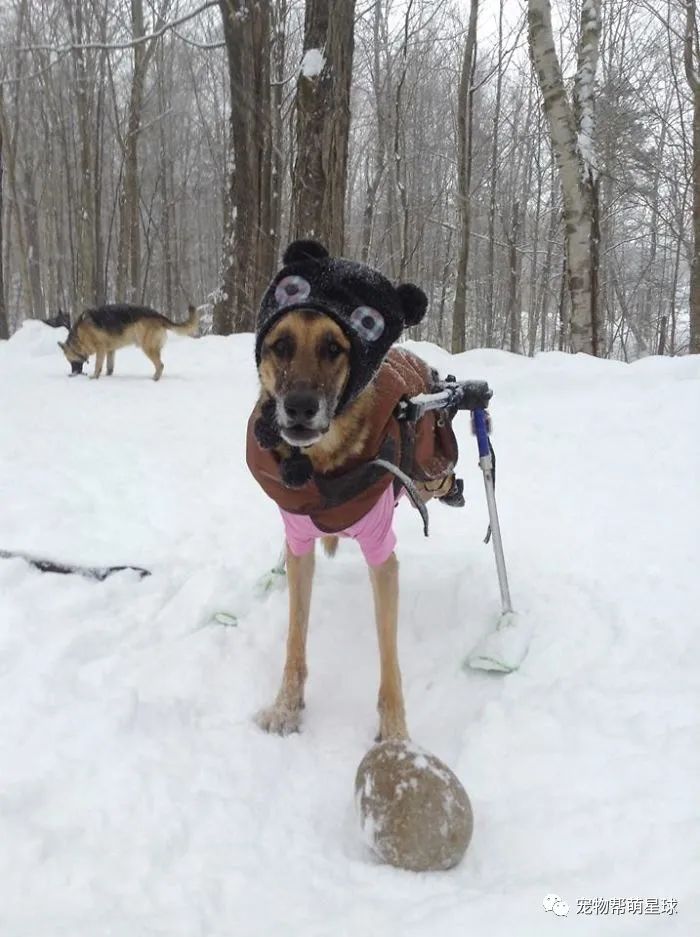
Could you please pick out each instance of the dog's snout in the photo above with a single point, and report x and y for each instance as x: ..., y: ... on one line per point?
x: 301, y: 406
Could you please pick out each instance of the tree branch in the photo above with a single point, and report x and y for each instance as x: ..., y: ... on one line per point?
x: 117, y: 46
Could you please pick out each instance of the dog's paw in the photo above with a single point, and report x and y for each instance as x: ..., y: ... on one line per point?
x: 279, y: 719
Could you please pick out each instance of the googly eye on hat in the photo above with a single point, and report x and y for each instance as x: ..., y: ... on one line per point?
x: 368, y: 323
x: 371, y: 311
x: 291, y: 289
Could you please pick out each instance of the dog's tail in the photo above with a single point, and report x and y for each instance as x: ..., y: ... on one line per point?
x: 189, y: 327
x: 330, y: 545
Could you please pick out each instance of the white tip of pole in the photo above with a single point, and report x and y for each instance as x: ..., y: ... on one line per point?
x: 505, y: 648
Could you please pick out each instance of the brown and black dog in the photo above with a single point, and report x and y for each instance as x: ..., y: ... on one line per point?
x: 103, y: 330
x: 304, y: 368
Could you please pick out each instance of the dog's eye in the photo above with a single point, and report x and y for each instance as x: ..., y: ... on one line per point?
x: 283, y: 347
x: 292, y: 289
x: 368, y: 323
x: 331, y: 349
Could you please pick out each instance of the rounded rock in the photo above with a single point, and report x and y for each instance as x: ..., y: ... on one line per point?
x: 414, y: 811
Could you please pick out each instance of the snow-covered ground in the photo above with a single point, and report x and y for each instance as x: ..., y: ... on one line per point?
x: 138, y: 798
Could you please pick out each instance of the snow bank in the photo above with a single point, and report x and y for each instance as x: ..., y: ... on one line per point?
x: 33, y: 338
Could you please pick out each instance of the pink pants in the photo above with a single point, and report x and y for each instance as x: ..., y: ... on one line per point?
x: 374, y: 532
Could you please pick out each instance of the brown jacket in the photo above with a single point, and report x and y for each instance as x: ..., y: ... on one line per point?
x: 425, y: 451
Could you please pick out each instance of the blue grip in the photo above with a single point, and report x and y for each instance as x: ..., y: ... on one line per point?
x: 480, y: 421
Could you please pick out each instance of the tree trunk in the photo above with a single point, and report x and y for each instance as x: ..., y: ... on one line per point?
x: 129, y: 247
x: 571, y: 127
x: 372, y: 186
x: 85, y: 279
x: 373, y: 180
x: 514, y: 281
x: 10, y: 153
x: 490, y: 310
x: 692, y: 61
x: 165, y: 213
x: 279, y: 60
x: 399, y: 150
x: 464, y: 167
x: 249, y: 239
x: 99, y: 285
x: 4, y: 324
x: 323, y: 123
x: 543, y: 301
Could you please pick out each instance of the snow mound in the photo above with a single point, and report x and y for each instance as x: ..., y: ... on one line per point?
x: 35, y: 339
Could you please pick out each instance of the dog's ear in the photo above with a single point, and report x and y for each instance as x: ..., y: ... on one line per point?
x: 414, y: 302
x: 304, y: 250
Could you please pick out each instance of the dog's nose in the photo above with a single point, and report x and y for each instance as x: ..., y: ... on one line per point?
x: 301, y: 406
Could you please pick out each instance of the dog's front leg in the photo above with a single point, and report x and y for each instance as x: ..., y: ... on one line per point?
x: 284, y: 716
x: 385, y: 586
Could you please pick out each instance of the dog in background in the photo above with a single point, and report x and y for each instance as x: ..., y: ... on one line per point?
x: 103, y: 330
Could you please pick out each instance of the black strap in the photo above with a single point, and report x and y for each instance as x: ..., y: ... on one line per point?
x: 410, y: 487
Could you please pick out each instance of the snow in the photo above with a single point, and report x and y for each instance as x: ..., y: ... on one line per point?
x: 312, y: 63
x: 138, y: 797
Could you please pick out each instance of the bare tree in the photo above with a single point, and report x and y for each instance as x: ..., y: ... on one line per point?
x: 571, y: 124
x: 464, y: 166
x: 249, y: 241
x: 4, y: 324
x: 692, y: 73
x: 129, y: 253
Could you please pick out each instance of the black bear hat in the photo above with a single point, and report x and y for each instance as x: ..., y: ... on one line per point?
x: 366, y: 306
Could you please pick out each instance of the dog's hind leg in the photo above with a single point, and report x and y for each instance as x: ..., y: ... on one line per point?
x: 385, y: 587
x: 110, y: 363
x: 99, y: 361
x: 284, y: 716
x: 152, y: 352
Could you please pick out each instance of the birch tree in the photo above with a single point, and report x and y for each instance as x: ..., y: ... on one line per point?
x: 572, y: 125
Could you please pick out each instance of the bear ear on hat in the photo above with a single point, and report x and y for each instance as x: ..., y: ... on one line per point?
x: 304, y: 250
x: 414, y: 303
